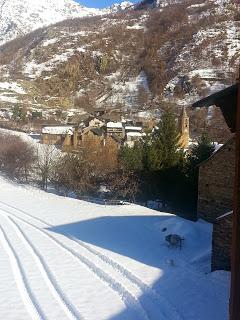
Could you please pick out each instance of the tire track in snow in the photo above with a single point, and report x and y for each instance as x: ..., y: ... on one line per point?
x: 28, y: 297
x: 169, y: 312
x: 127, y: 297
x: 150, y: 294
x: 24, y: 212
x: 55, y: 290
x: 192, y: 269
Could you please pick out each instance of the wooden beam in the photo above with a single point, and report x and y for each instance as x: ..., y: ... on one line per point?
x: 234, y: 305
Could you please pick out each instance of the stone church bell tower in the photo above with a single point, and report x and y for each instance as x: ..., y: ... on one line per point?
x: 184, y: 129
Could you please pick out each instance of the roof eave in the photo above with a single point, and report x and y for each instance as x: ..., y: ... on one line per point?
x: 226, y: 100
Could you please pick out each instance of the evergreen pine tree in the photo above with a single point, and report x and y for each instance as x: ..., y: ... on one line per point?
x: 164, y: 152
x: 131, y: 158
x: 200, y: 152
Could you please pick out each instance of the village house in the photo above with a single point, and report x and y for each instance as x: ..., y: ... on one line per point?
x: 94, y: 135
x: 115, y: 128
x: 122, y: 132
x: 127, y: 131
x: 133, y: 134
x: 221, y: 243
x: 215, y: 198
x: 216, y: 183
x: 64, y: 136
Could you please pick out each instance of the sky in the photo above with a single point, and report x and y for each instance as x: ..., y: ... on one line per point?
x: 100, y: 3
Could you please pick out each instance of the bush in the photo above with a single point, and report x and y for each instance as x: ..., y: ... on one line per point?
x: 17, y: 157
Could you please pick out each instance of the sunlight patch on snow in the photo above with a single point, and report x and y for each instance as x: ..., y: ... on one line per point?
x: 12, y: 86
x: 136, y: 27
x: 48, y: 42
x: 9, y: 99
x: 34, y: 70
x: 233, y: 40
x: 126, y: 91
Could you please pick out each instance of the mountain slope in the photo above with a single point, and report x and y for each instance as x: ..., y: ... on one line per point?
x: 129, y: 60
x: 18, y: 17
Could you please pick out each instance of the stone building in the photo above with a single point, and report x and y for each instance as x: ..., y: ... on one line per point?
x: 218, y: 186
x: 115, y: 128
x: 91, y: 134
x: 221, y: 243
x: 184, y: 129
x: 215, y: 198
x: 216, y: 183
x: 63, y: 136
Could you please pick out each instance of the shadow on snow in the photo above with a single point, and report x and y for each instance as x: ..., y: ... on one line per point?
x: 142, y: 238
x: 136, y: 237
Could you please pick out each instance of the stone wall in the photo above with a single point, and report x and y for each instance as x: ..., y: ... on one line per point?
x: 216, y: 182
x: 221, y: 244
x: 51, y: 139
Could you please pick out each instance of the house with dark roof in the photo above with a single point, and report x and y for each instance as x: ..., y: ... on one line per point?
x: 215, y: 201
x: 63, y: 136
x: 91, y: 134
x: 221, y: 242
x: 216, y: 183
x: 218, y: 178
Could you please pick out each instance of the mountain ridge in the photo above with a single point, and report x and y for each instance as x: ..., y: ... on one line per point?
x: 18, y: 17
x: 127, y: 61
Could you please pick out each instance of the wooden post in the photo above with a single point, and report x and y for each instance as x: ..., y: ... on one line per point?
x: 234, y: 306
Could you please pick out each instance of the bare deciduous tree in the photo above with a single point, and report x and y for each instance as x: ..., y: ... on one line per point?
x: 17, y: 157
x: 47, y: 155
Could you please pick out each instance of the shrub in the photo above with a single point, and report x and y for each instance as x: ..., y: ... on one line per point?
x: 17, y: 157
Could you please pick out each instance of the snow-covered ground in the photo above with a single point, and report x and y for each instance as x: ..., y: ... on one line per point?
x: 63, y: 258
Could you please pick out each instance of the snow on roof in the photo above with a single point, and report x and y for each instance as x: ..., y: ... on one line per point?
x: 58, y: 130
x: 217, y: 146
x: 135, y: 134
x: 225, y: 215
x: 133, y: 128
x: 114, y: 125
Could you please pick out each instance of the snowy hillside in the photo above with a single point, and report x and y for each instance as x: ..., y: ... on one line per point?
x: 128, y: 60
x: 18, y: 17
x: 118, y: 7
x: 67, y: 259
